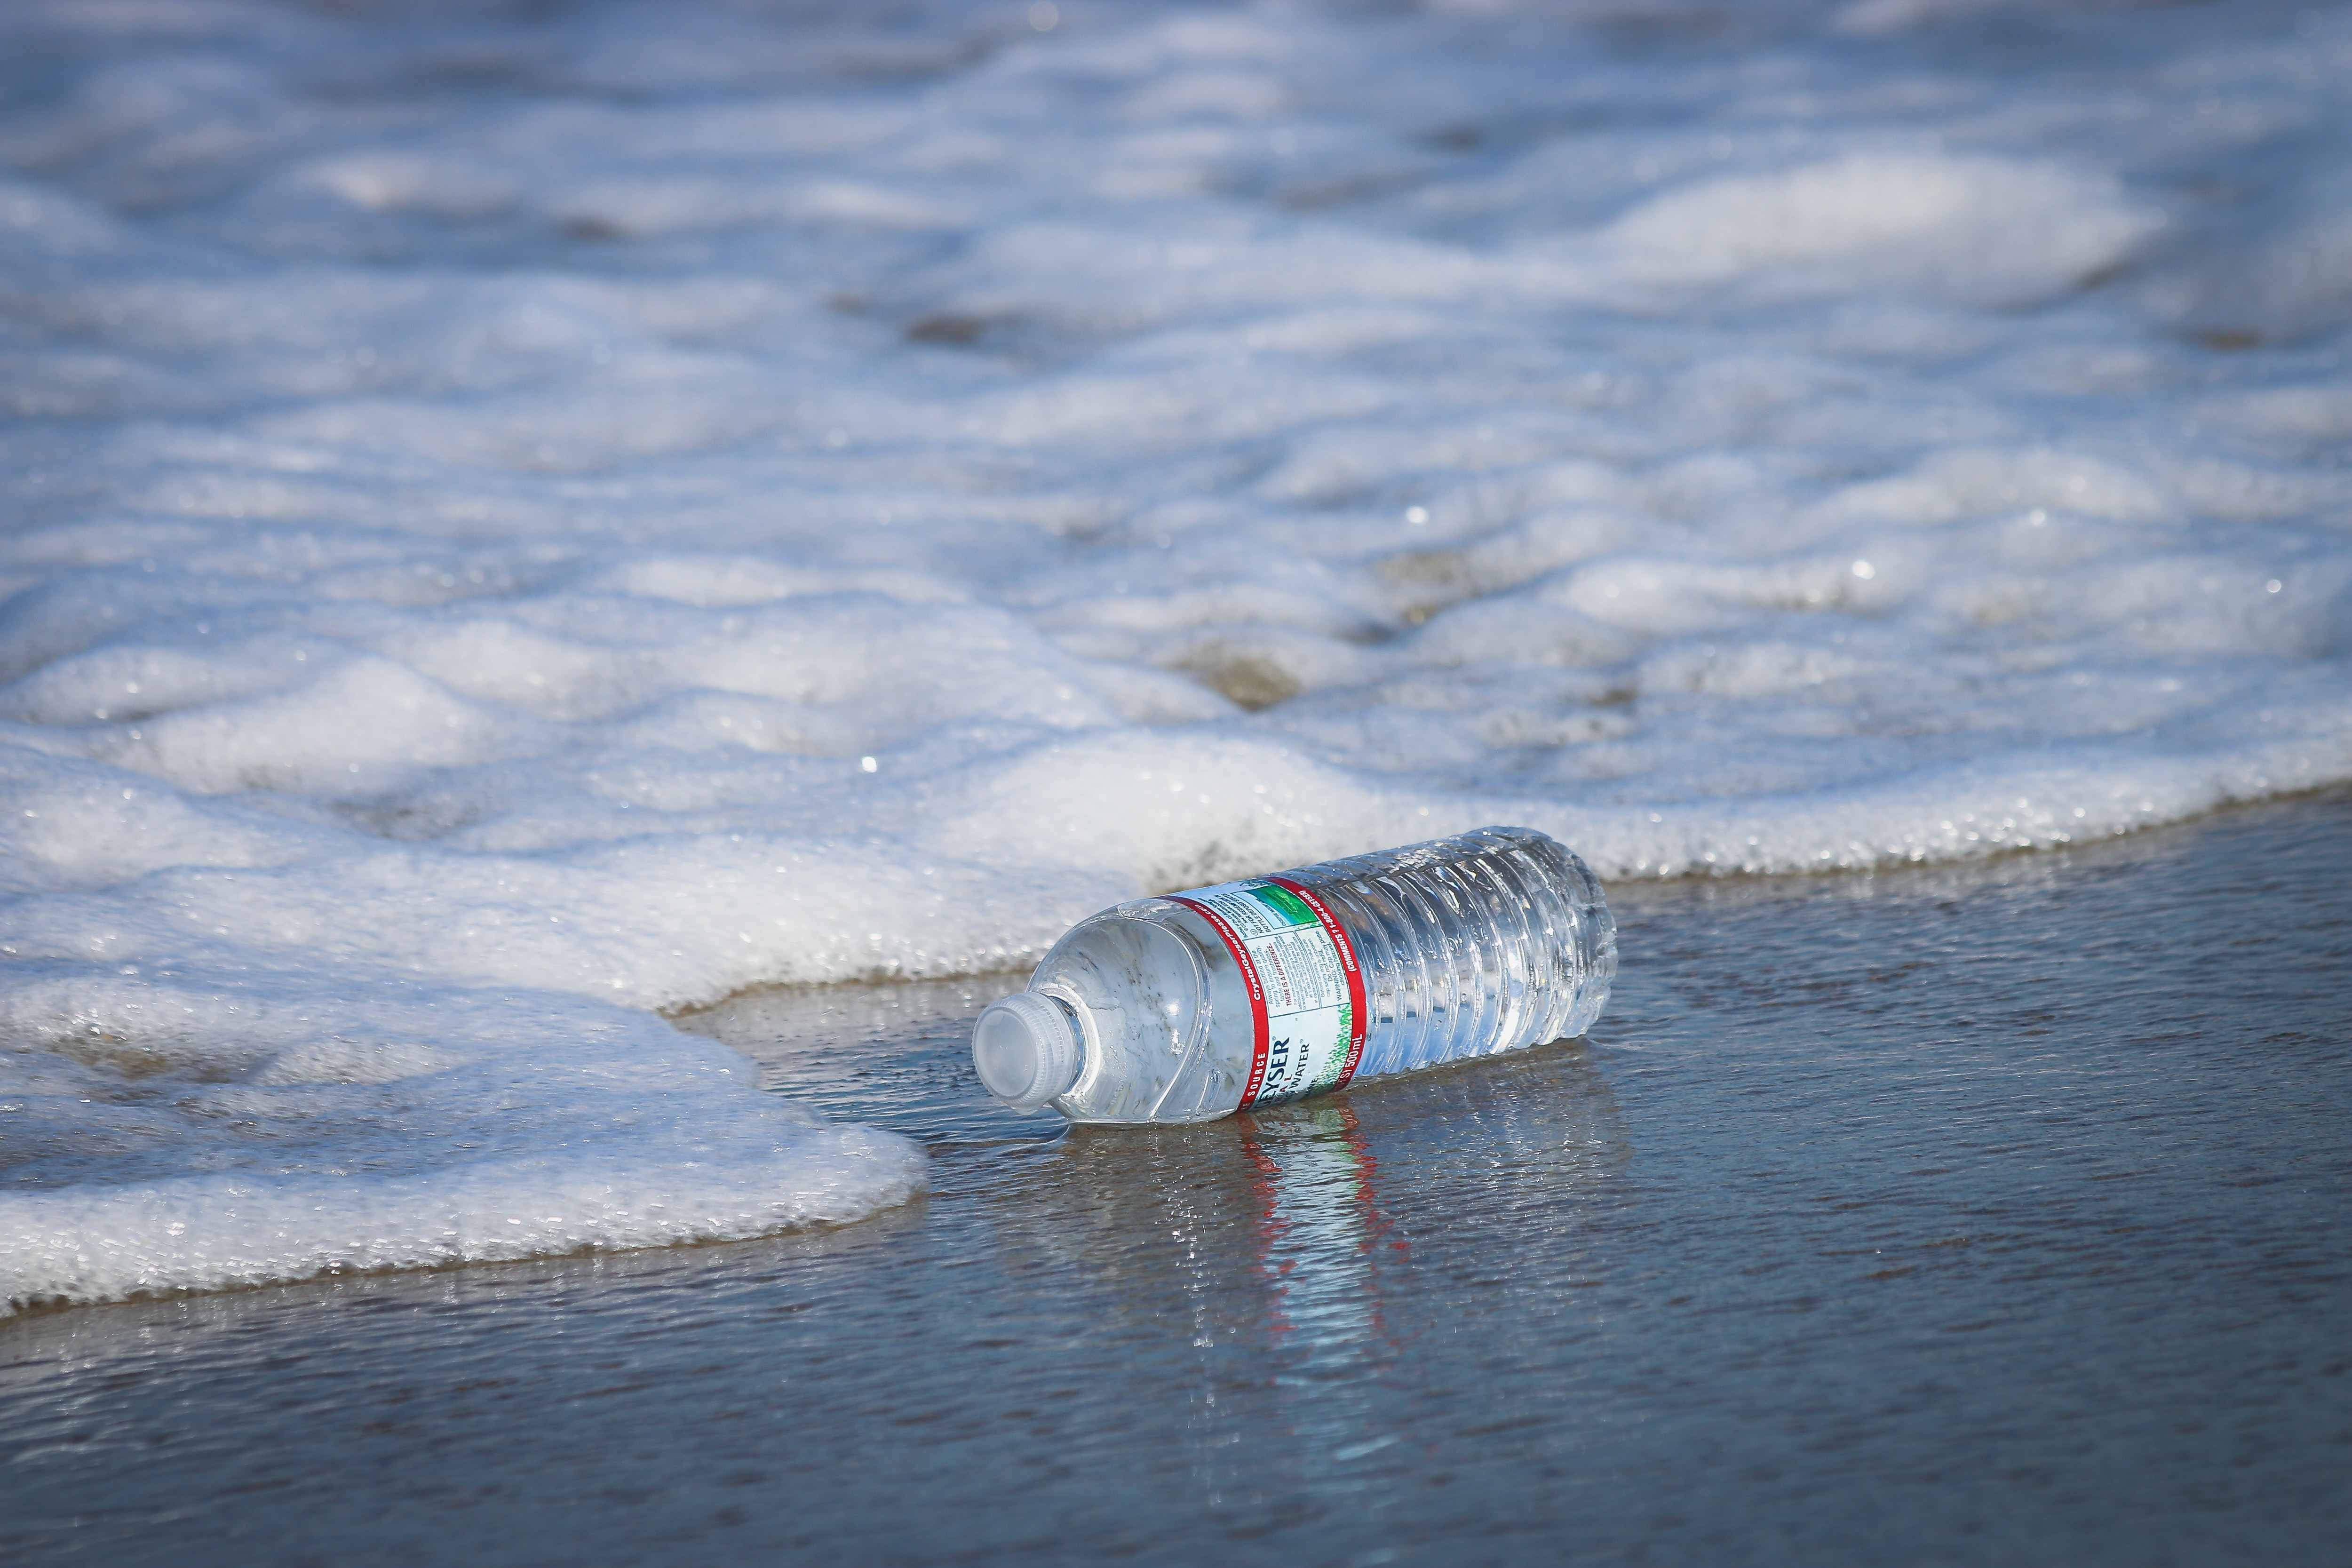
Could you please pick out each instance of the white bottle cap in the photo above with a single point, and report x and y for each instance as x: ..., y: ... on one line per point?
x: 1027, y: 1049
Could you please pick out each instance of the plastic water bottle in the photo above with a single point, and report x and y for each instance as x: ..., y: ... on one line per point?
x: 1194, y: 1005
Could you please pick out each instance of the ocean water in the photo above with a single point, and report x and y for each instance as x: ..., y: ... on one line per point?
x: 1942, y: 1214
x: 524, y: 518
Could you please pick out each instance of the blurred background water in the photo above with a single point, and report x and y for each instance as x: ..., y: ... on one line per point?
x: 1985, y: 1214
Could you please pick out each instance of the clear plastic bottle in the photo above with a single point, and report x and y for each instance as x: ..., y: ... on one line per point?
x: 1191, y: 1007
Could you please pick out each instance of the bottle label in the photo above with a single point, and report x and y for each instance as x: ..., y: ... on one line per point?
x: 1305, y: 991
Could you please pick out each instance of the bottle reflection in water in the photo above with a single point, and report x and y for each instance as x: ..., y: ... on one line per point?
x: 1320, y: 1231
x: 1191, y: 1007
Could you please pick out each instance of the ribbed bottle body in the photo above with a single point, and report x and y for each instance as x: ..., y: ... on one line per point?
x: 1189, y: 1006
x: 1485, y: 941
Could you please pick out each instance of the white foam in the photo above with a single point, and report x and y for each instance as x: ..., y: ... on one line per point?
x: 696, y: 499
x: 1985, y: 231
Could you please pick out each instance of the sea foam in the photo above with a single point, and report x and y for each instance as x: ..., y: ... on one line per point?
x: 517, y: 526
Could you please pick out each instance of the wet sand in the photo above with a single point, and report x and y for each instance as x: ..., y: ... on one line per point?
x: 1991, y: 1215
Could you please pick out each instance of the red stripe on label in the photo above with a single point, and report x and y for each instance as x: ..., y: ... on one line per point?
x: 1356, y: 1022
x: 1248, y: 966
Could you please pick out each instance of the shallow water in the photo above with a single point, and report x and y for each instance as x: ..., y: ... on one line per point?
x: 1983, y: 1214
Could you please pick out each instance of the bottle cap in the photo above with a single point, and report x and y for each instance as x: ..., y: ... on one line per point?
x: 1027, y: 1049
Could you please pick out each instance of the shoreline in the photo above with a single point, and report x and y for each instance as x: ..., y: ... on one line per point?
x: 1991, y: 868
x: 1990, y: 1213
x: 1631, y: 885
